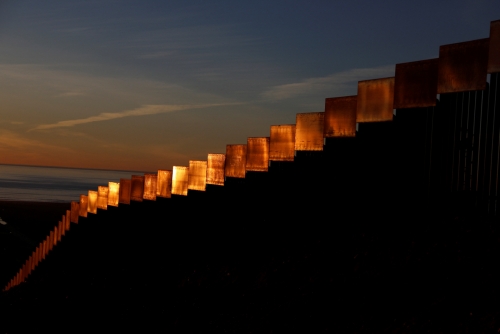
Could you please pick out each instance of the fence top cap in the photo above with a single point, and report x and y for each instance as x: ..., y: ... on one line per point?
x: 378, y: 79
x: 416, y: 62
x: 473, y: 41
x: 341, y: 97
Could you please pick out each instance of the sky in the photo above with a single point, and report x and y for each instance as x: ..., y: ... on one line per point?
x: 146, y: 85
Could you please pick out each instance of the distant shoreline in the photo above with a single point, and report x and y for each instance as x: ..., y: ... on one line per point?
x: 97, y: 169
x: 4, y: 200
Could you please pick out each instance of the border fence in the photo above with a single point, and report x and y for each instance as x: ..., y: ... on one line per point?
x: 429, y: 134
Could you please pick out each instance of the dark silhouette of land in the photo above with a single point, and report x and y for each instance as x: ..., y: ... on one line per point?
x: 314, y: 245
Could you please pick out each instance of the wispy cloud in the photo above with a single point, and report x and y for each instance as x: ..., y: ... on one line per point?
x: 332, y: 83
x: 141, y: 111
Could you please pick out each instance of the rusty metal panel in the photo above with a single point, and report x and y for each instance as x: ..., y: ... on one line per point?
x: 375, y: 100
x: 257, y: 154
x: 236, y: 159
x: 340, y: 116
x: 125, y: 190
x: 494, y: 51
x: 75, y: 212
x: 33, y: 260
x: 150, y: 181
x: 180, y: 178
x: 102, y: 197
x: 84, y: 204
x: 197, y: 175
x: 56, y: 234
x: 51, y: 240
x: 62, y: 226
x: 67, y: 221
x: 463, y: 66
x: 415, y: 85
x: 309, y: 131
x: 37, y: 257
x: 164, y: 183
x: 215, y: 168
x: 114, y: 193
x: 137, y: 188
x: 92, y: 201
x: 282, y: 143
x: 45, y: 248
x: 41, y: 252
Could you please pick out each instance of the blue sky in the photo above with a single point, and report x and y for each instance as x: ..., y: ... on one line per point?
x: 145, y: 85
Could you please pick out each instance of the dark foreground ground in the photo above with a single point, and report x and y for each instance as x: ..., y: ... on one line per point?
x: 244, y: 271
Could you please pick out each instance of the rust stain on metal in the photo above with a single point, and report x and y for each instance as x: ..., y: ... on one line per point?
x: 150, y: 181
x: 137, y: 188
x: 164, y: 183
x: 215, y: 168
x: 463, y: 66
x: 180, y: 178
x: 114, y: 193
x: 84, y: 203
x: 197, y: 175
x: 236, y: 156
x: 102, y: 197
x: 125, y: 190
x: 375, y: 100
x: 494, y: 49
x: 340, y: 116
x: 309, y: 131
x: 415, y: 85
x: 257, y: 154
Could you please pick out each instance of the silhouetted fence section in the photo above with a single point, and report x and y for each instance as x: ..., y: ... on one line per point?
x: 436, y: 148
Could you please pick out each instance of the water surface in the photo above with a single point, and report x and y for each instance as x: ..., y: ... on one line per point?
x: 53, y: 184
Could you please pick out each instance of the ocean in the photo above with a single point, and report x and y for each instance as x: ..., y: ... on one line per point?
x: 53, y: 184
